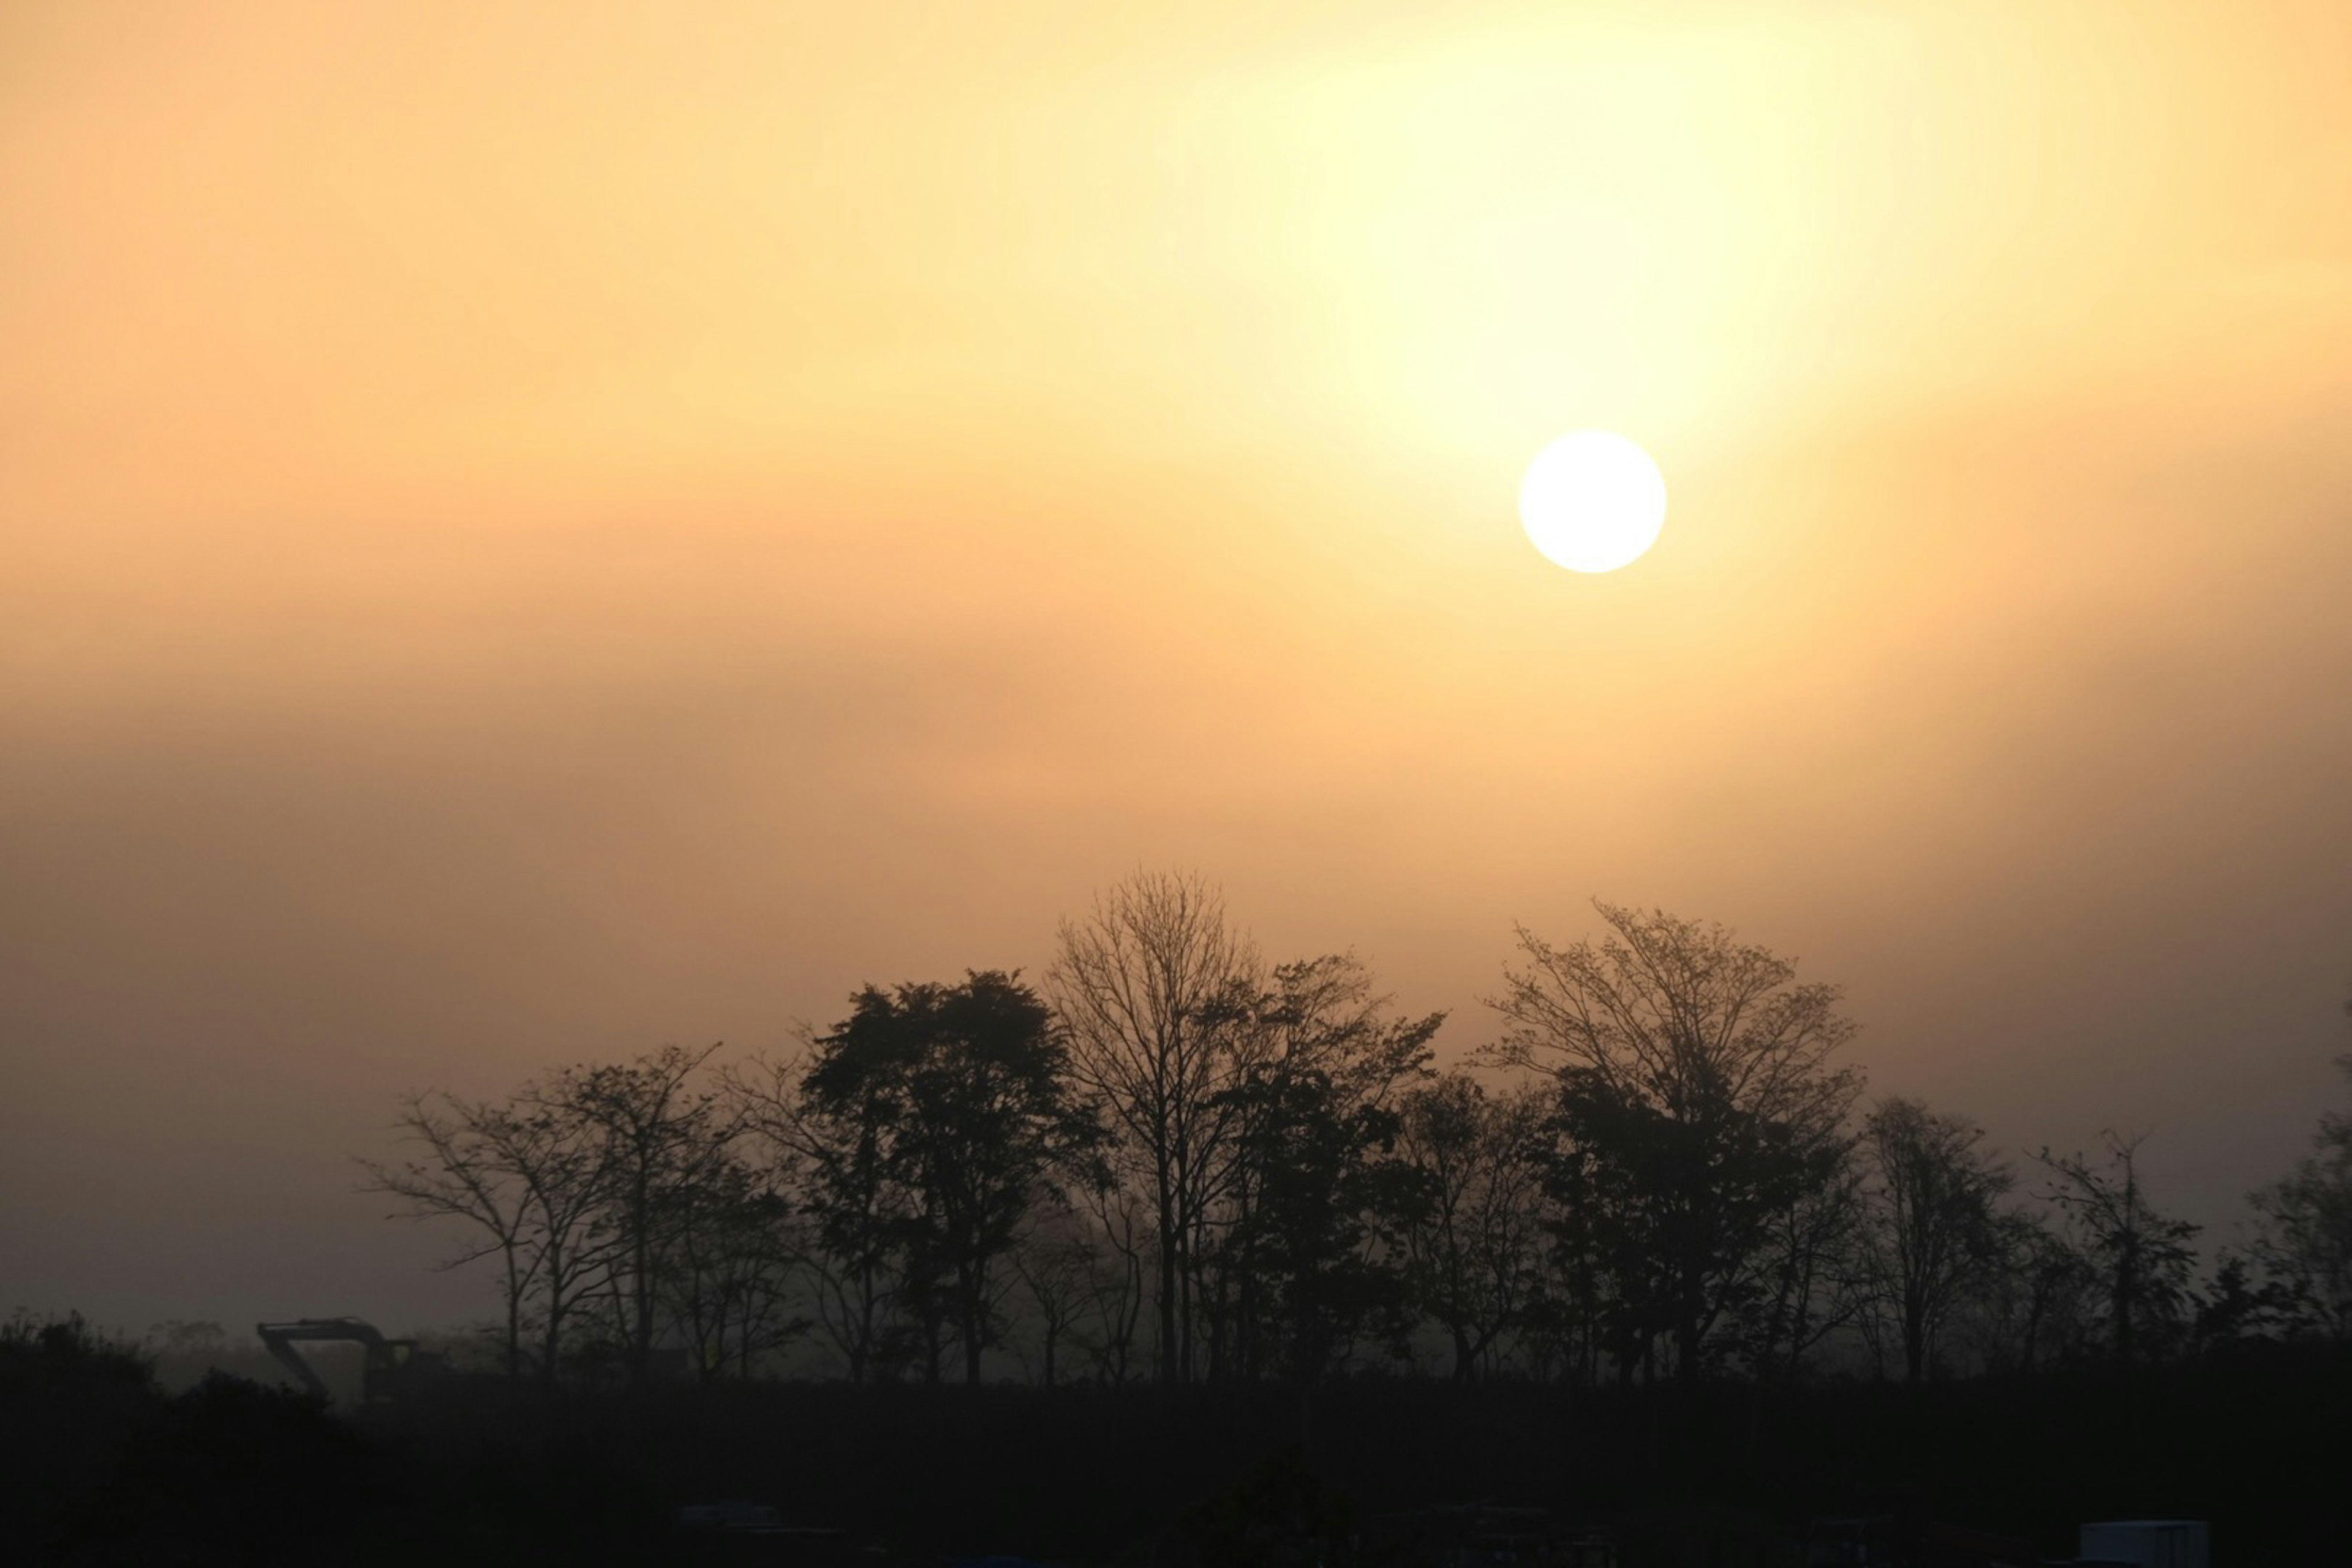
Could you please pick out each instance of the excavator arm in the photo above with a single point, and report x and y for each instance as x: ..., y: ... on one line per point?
x: 383, y: 1357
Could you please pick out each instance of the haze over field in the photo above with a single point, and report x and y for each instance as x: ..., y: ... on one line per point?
x: 529, y: 534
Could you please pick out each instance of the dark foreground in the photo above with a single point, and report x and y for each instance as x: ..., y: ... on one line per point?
x: 101, y: 1468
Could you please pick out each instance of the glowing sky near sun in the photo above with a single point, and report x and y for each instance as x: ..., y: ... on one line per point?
x: 529, y: 530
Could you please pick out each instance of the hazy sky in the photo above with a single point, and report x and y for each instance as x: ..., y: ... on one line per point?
x: 529, y: 532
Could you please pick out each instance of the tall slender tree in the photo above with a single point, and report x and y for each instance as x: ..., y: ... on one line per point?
x: 2143, y: 1255
x: 658, y: 1134
x: 561, y: 1174
x: 532, y: 1184
x: 1931, y: 1237
x: 460, y: 1176
x: 1143, y: 986
x: 835, y: 1151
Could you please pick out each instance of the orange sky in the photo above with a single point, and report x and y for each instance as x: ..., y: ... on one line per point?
x: 529, y: 533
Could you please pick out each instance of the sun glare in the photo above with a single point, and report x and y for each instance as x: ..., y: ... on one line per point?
x: 1592, y: 501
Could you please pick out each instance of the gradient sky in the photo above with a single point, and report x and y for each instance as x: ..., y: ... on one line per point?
x: 532, y: 531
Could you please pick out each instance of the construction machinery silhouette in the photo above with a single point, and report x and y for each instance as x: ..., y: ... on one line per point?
x: 388, y: 1370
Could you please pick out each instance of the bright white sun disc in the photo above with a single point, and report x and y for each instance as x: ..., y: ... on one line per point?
x: 1592, y: 501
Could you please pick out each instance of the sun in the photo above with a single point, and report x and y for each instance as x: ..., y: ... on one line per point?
x: 1592, y: 501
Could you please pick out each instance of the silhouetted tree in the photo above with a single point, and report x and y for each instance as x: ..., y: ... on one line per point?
x: 2304, y: 1244
x: 1475, y: 1232
x: 1696, y: 1103
x: 1303, y: 1268
x: 727, y: 1272
x: 2143, y: 1259
x: 1603, y: 1292
x: 1055, y: 1257
x: 1931, y: 1237
x: 1296, y: 1248
x: 993, y: 1118
x: 1265, y: 1161
x: 838, y: 1153
x: 657, y: 1137
x: 2037, y: 1303
x: 1122, y: 1244
x: 532, y: 1182
x: 1143, y: 985
x: 462, y: 1176
x: 2233, y: 1308
x: 563, y: 1174
x: 1812, y: 1274
x: 963, y: 1095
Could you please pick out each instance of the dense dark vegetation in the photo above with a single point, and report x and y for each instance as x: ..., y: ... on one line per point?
x: 102, y: 1468
x: 1121, y: 1261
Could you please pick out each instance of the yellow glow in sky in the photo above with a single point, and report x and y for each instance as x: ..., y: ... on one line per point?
x: 526, y: 526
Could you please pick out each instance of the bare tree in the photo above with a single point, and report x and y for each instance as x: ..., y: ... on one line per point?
x: 461, y: 1176
x: 2144, y: 1257
x: 2036, y: 1305
x: 1812, y: 1281
x: 655, y: 1137
x: 1117, y: 1262
x: 1932, y: 1237
x: 563, y: 1175
x: 1475, y: 1234
x: 1138, y: 985
x: 834, y: 1152
x: 727, y: 1272
x: 1695, y: 1093
x: 1055, y: 1258
x: 526, y: 1176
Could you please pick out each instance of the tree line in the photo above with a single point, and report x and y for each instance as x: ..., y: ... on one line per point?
x: 1171, y: 1160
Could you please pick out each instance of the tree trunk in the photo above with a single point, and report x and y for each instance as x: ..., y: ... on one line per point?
x: 2126, y: 1287
x: 514, y: 1316
x: 1168, y: 1275
x: 641, y: 1331
x: 554, y: 1337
